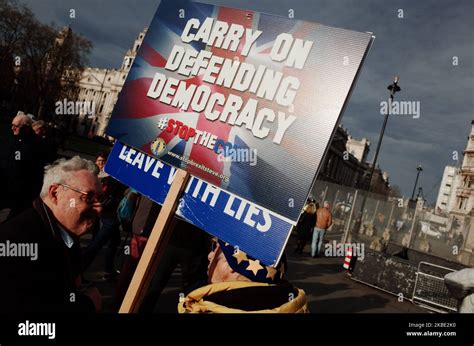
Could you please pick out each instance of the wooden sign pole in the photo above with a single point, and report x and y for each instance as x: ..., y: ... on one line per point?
x: 155, y: 246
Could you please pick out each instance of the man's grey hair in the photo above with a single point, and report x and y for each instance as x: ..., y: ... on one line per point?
x: 326, y: 204
x: 60, y: 171
x: 24, y: 119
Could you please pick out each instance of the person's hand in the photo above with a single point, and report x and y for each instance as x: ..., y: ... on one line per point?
x: 94, y: 294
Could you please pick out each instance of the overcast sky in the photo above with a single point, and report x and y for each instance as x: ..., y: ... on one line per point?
x: 419, y: 47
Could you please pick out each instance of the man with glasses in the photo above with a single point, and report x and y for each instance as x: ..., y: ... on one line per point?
x: 20, y: 166
x: 68, y: 206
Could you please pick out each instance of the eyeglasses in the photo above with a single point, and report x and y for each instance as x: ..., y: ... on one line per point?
x: 16, y: 126
x: 87, y: 197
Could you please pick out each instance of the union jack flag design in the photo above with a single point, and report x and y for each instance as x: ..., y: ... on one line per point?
x: 284, y: 171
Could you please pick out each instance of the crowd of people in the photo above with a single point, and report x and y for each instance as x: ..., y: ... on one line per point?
x: 54, y: 202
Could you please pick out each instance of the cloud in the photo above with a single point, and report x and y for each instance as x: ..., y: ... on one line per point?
x: 418, y: 47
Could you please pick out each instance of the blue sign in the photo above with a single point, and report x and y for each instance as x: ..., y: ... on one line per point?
x: 259, y: 232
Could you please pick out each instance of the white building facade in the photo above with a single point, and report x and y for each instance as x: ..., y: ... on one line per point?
x: 101, y: 87
x: 461, y: 218
x: 447, y: 191
x: 358, y: 148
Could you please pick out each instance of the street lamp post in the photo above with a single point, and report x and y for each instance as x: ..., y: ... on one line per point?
x: 394, y: 88
x: 419, y: 169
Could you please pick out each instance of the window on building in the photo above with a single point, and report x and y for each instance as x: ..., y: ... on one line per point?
x: 467, y: 182
x: 448, y: 185
x: 462, y: 203
x: 101, y: 108
x: 443, y: 203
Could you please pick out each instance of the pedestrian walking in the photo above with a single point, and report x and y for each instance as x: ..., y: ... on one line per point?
x: 304, y: 228
x: 323, y: 222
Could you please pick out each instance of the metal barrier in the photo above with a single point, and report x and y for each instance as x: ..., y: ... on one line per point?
x: 430, y: 290
x: 388, y: 219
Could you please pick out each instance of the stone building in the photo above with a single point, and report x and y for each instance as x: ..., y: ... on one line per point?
x: 346, y: 164
x: 447, y: 190
x: 101, y: 87
x: 461, y: 217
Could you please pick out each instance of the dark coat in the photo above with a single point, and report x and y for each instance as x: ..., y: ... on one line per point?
x: 21, y: 169
x: 49, y: 283
x: 114, y: 192
x: 48, y: 150
x: 305, y: 225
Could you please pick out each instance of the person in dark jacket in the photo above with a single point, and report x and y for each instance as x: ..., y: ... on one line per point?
x: 305, y: 225
x: 188, y: 247
x: 40, y: 258
x: 108, y: 227
x: 20, y: 167
x: 47, y: 146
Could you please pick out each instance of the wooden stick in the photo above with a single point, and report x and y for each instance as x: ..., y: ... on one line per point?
x: 155, y: 246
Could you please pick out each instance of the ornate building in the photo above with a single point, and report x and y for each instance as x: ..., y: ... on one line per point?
x: 101, y: 87
x: 447, y: 190
x: 341, y: 166
x: 346, y: 164
x: 461, y: 218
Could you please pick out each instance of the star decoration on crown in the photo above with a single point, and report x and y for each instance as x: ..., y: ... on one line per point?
x: 254, y: 266
x: 271, y: 273
x: 240, y: 256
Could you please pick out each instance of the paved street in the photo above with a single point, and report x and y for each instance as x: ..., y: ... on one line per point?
x: 328, y: 288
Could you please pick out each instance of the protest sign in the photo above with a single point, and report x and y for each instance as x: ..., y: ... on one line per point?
x: 249, y: 227
x: 243, y: 100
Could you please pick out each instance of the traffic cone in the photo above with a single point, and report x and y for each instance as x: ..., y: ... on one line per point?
x: 347, y: 259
